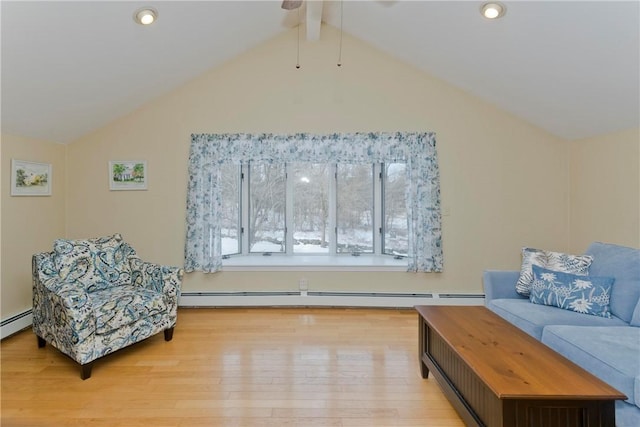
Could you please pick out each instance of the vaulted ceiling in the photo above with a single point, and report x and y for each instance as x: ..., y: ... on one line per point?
x: 570, y: 67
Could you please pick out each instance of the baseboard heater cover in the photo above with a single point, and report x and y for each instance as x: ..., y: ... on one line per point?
x: 16, y: 323
x: 461, y: 296
x: 325, y: 298
x: 240, y: 294
x: 369, y: 294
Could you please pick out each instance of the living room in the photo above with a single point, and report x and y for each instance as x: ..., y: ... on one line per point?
x: 505, y: 183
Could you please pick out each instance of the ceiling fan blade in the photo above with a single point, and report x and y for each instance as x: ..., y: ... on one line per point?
x: 291, y: 4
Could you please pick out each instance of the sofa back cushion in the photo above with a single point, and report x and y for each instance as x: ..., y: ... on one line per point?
x: 96, y: 264
x: 635, y: 318
x: 623, y: 264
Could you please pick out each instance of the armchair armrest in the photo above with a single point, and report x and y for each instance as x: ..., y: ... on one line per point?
x: 500, y: 284
x: 62, y: 311
x: 160, y: 278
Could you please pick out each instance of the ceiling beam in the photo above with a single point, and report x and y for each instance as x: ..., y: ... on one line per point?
x: 314, y: 19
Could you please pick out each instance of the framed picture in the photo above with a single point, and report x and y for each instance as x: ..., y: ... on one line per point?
x: 128, y: 175
x: 30, y: 178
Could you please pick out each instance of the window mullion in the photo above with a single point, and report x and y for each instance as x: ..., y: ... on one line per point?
x: 378, y: 203
x: 333, y: 209
x: 288, y: 210
x: 244, y: 207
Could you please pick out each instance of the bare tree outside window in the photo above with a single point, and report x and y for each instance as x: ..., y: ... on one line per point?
x: 310, y: 207
x: 230, y: 192
x: 267, y: 192
x: 395, y: 226
x: 355, y: 208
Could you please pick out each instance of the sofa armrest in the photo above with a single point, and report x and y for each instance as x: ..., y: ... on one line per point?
x: 500, y: 284
x: 159, y: 278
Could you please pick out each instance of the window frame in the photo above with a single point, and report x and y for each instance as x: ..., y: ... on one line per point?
x: 383, y: 205
x: 247, y: 258
x: 246, y: 219
x: 239, y: 224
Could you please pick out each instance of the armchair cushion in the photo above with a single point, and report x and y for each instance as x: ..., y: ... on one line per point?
x: 124, y: 305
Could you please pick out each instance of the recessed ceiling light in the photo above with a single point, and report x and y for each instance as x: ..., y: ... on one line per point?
x: 493, y: 10
x: 145, y: 16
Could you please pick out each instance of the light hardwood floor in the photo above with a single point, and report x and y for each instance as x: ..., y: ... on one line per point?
x: 258, y: 367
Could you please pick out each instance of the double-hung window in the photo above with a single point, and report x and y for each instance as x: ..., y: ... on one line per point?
x: 314, y: 209
x: 371, y: 195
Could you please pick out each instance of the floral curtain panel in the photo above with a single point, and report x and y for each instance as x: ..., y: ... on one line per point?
x: 203, y: 249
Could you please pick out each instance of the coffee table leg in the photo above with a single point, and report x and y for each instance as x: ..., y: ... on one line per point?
x: 424, y: 371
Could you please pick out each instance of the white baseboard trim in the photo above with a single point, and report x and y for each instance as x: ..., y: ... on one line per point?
x: 324, y: 299
x: 15, y: 323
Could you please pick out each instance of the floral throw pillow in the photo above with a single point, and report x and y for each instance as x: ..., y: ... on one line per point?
x: 557, y: 261
x: 583, y: 294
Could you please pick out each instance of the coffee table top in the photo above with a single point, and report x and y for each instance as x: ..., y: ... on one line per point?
x: 510, y: 362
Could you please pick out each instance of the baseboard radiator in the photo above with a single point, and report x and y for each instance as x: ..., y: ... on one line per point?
x: 325, y: 299
x: 15, y: 323
x: 23, y: 320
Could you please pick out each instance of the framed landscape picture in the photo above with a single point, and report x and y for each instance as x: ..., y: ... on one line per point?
x: 30, y: 178
x: 128, y: 175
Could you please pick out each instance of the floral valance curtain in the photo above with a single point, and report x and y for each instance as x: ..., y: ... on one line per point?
x: 203, y: 249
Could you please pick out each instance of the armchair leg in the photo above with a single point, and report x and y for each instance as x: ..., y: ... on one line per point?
x: 168, y: 334
x: 41, y: 342
x: 85, y: 370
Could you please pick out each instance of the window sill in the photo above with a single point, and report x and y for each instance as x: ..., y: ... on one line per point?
x: 314, y: 263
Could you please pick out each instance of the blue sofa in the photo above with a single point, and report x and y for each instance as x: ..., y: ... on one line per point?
x: 609, y: 348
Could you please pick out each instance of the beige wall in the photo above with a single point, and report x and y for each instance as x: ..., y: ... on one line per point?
x: 605, y: 190
x: 29, y: 224
x: 504, y: 181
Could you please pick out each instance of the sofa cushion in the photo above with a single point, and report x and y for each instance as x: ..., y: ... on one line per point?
x: 120, y: 306
x: 95, y: 263
x: 557, y: 261
x: 623, y: 264
x: 591, y: 348
x: 635, y: 319
x: 583, y: 294
x: 627, y: 414
x: 532, y: 318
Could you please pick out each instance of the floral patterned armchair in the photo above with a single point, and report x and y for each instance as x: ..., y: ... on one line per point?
x: 95, y: 296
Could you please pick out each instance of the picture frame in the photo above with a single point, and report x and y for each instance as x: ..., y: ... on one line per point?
x: 127, y: 175
x: 30, y: 178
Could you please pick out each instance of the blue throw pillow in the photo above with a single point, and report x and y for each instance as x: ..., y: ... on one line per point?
x: 583, y: 294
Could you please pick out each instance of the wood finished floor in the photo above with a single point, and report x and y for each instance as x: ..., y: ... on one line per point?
x: 260, y: 367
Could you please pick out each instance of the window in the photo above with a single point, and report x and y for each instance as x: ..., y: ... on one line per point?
x: 355, y: 222
x: 266, y: 207
x: 311, y: 207
x: 395, y: 239
x: 230, y: 214
x: 337, y: 194
x: 328, y: 208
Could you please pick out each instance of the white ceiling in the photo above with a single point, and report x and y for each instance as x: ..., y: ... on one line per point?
x: 570, y: 67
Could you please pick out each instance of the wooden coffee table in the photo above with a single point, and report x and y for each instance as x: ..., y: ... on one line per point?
x: 494, y: 374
